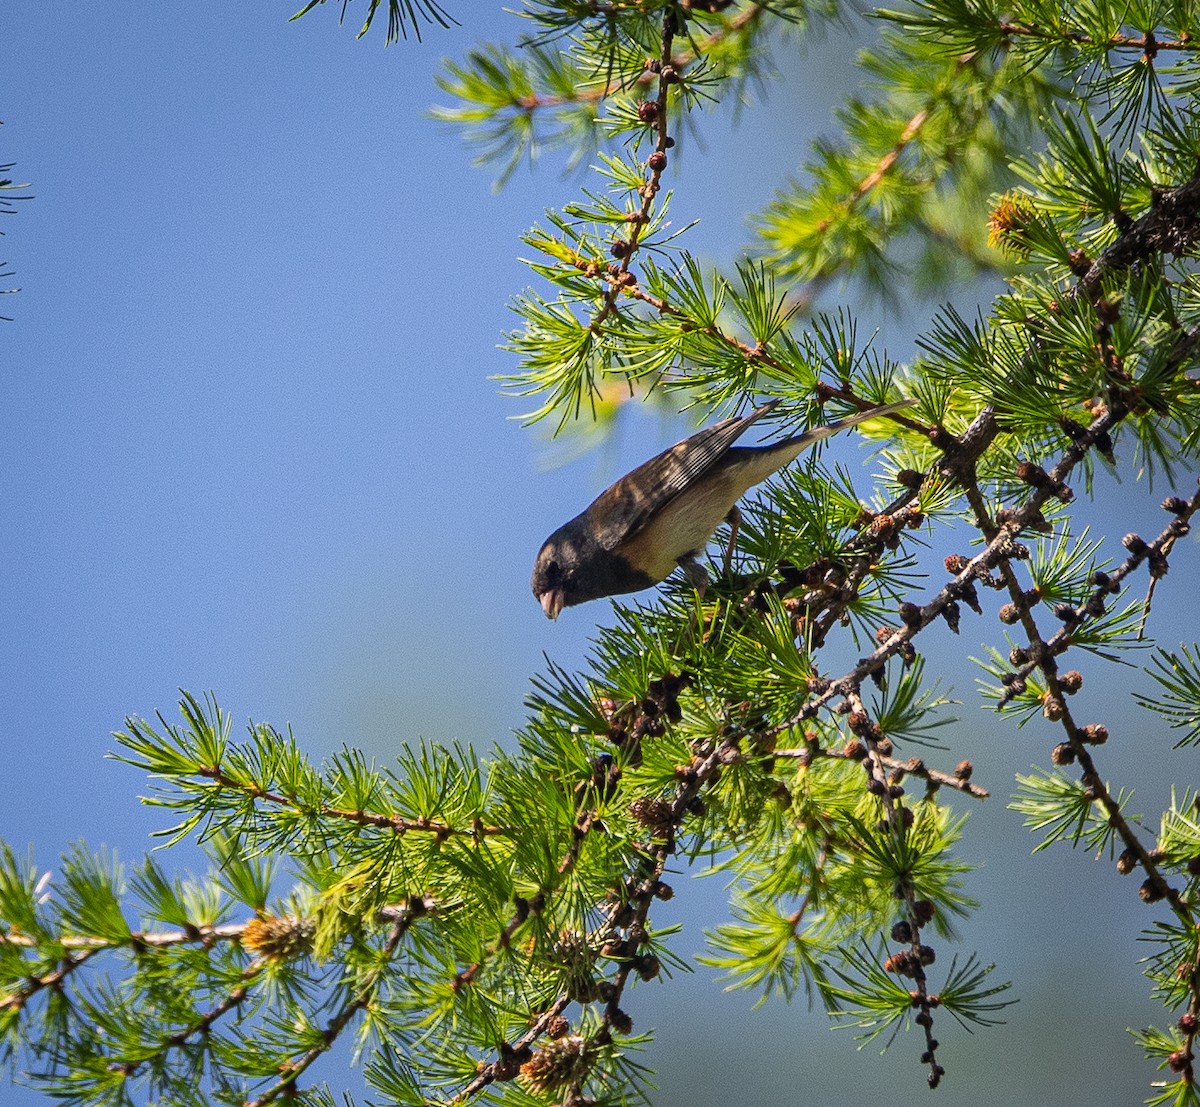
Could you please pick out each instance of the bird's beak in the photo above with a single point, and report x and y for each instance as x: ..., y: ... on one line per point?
x: 552, y: 602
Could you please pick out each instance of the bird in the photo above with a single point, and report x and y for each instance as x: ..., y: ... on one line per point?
x: 662, y: 514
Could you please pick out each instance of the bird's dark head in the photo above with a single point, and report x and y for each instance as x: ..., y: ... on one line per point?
x: 573, y: 567
x: 555, y: 571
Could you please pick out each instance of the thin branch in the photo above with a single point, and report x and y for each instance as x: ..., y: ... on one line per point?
x: 85, y: 947
x: 913, y: 961
x: 204, y: 935
x: 1107, y: 583
x: 657, y: 162
x: 743, y: 21
x: 204, y: 1024
x: 400, y: 824
x: 1148, y: 45
x: 1170, y: 227
x: 14, y: 1001
x: 912, y: 766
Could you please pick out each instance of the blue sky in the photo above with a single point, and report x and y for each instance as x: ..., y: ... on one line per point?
x: 250, y: 445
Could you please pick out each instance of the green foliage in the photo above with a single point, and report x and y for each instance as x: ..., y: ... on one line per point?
x: 1178, y: 677
x: 10, y: 192
x: 916, y: 162
x: 476, y: 925
x: 402, y: 14
x: 1065, y: 810
x: 875, y: 1001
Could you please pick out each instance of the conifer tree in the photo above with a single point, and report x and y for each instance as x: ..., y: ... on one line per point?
x: 474, y: 922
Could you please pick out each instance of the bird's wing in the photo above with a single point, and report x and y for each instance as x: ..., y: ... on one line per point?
x: 622, y: 510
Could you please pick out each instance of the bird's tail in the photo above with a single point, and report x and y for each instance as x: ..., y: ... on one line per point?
x: 860, y: 417
x: 816, y: 434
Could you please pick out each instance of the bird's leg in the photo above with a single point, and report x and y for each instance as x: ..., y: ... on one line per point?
x: 698, y: 574
x: 695, y: 572
x: 734, y: 519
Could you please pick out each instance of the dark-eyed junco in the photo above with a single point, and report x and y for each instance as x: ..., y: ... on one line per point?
x: 663, y: 513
